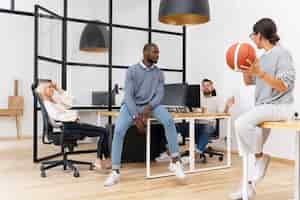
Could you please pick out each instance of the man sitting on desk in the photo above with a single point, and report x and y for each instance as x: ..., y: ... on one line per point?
x: 144, y: 91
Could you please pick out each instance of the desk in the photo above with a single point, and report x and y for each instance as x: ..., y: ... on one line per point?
x: 190, y: 117
x: 293, y: 125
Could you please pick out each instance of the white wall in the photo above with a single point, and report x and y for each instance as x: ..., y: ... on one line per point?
x: 232, y: 22
x: 17, y: 51
x: 17, y: 61
x: 206, y: 48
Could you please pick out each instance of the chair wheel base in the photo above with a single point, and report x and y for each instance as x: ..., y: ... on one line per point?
x: 43, y: 174
x: 203, y: 158
x: 92, y: 167
x: 76, y: 174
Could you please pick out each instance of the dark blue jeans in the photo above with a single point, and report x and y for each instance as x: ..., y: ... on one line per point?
x: 202, y: 133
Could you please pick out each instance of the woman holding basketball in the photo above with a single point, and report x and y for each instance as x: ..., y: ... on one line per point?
x: 273, y: 75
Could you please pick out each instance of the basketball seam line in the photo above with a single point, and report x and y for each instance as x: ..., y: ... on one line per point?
x: 236, y: 52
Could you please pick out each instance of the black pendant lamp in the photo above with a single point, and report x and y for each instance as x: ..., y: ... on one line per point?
x: 94, y: 38
x: 184, y: 12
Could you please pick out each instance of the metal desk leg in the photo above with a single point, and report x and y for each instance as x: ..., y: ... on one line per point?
x: 297, y: 167
x: 228, y: 142
x: 98, y: 122
x: 192, y: 144
x: 148, y: 173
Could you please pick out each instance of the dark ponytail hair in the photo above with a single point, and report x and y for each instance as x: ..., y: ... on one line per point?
x: 267, y: 28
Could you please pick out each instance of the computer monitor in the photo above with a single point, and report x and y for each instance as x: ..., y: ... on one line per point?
x: 194, y: 96
x: 175, y: 94
x: 102, y: 98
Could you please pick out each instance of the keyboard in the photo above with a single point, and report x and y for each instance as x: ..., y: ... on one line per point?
x: 177, y: 109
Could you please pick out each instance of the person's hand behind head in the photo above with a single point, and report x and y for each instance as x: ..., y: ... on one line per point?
x: 54, y: 85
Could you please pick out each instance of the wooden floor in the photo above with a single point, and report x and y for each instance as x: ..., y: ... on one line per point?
x: 20, y: 180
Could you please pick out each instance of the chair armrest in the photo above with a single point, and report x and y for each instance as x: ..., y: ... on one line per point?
x: 56, y: 124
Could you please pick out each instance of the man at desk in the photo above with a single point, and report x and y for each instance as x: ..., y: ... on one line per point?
x: 211, y: 103
x: 144, y: 91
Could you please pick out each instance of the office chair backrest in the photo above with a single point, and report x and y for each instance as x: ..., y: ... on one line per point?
x: 47, y: 127
x: 216, y: 134
x: 214, y: 93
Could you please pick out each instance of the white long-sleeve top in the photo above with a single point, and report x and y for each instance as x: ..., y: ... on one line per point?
x: 213, y: 104
x: 59, y: 109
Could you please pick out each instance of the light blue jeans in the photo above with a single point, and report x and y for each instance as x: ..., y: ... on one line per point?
x: 124, y: 121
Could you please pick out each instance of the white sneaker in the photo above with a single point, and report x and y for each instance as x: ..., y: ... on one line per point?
x: 178, y: 169
x: 261, y: 166
x: 185, y: 160
x: 112, y: 179
x: 163, y: 157
x: 238, y: 195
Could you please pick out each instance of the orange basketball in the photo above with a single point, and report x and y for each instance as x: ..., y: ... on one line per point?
x: 238, y: 54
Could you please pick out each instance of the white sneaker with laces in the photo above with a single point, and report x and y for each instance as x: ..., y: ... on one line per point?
x: 163, y: 157
x: 178, y: 169
x: 185, y: 160
x: 261, y: 166
x: 238, y: 195
x: 112, y: 179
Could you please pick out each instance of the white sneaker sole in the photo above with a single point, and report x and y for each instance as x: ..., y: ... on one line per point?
x: 110, y: 185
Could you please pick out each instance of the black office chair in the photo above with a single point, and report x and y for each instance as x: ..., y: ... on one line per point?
x: 184, y: 128
x: 61, y: 138
x: 215, y: 136
x: 209, y: 150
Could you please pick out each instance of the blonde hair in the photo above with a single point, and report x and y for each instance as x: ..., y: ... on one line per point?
x: 41, y: 88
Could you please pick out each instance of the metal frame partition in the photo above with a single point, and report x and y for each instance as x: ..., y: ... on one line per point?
x: 64, y: 58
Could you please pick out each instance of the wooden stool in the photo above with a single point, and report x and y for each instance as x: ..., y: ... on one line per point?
x: 15, y: 108
x: 292, y: 125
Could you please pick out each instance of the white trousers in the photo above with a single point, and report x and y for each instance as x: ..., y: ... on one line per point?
x: 250, y: 138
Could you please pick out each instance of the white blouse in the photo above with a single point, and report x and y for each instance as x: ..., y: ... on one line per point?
x: 59, y: 110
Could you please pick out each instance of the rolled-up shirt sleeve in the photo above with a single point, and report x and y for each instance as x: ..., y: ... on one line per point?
x: 285, y: 70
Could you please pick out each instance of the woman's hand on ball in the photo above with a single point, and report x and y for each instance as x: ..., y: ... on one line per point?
x: 253, y: 68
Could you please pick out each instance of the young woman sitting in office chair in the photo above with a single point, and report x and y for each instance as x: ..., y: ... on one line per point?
x: 58, y: 105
